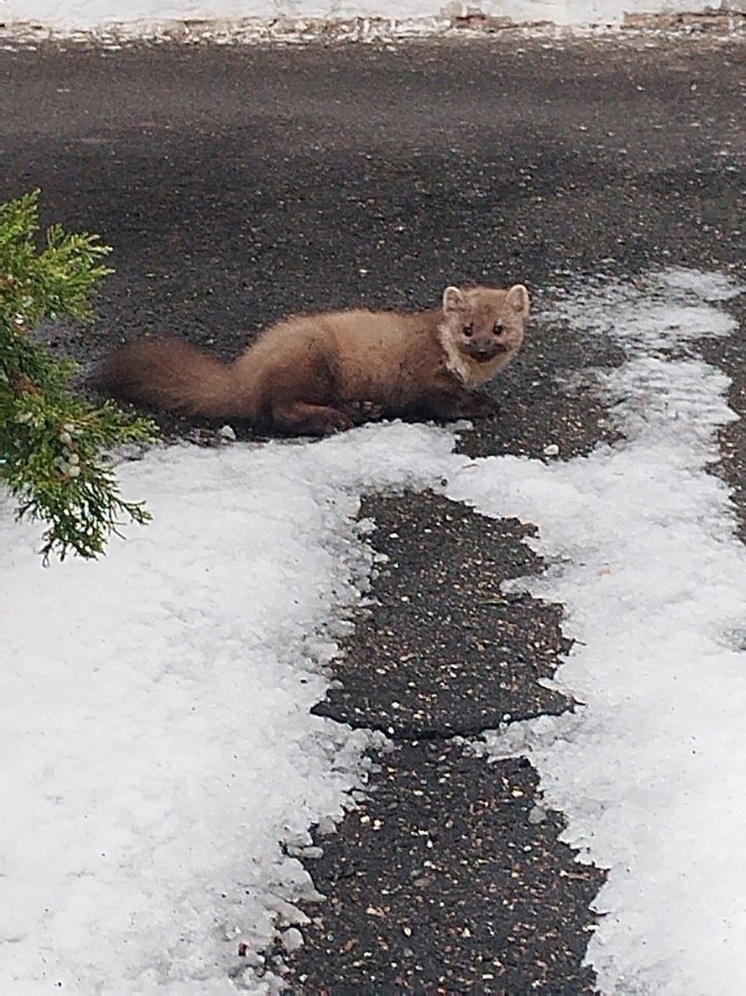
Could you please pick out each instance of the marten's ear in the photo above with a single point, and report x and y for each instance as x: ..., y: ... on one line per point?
x: 519, y: 300
x: 453, y: 300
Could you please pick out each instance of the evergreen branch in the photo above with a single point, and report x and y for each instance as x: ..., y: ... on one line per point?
x: 51, y: 441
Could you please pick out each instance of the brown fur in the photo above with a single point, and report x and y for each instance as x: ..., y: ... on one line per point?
x: 316, y: 374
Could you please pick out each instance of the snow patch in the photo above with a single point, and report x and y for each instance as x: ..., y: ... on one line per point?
x: 640, y: 542
x: 161, y: 765
x: 154, y: 713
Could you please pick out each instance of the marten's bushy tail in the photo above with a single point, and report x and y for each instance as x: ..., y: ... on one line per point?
x: 170, y: 375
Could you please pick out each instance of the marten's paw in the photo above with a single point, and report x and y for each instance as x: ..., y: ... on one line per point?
x: 334, y: 421
x: 303, y: 419
x: 364, y: 411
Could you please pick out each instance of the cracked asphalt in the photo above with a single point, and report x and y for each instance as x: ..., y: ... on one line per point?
x: 237, y: 185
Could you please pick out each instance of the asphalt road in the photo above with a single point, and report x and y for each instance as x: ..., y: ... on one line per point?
x: 237, y: 185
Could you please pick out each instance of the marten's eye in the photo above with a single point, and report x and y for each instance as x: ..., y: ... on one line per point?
x: 468, y: 330
x: 497, y: 329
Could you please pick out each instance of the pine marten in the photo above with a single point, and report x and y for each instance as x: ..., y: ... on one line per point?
x: 317, y: 374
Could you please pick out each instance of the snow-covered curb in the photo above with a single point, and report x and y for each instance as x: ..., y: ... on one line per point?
x: 290, y: 30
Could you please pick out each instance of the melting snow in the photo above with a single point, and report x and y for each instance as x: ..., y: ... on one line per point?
x: 154, y: 713
x: 154, y: 706
x: 651, y: 771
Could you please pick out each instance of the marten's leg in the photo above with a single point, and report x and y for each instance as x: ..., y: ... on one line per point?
x: 363, y: 411
x: 303, y: 419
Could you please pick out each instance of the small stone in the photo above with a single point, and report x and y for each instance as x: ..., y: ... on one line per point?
x: 227, y: 433
x: 423, y: 881
x: 537, y: 815
x: 326, y: 826
x: 551, y: 450
x: 292, y: 939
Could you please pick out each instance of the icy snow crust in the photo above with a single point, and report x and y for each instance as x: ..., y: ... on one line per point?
x: 650, y: 772
x: 154, y: 714
x: 157, y: 744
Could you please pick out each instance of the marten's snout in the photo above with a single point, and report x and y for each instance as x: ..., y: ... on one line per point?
x: 487, y: 351
x: 483, y: 348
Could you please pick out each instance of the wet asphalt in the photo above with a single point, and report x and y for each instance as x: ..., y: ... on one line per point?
x: 237, y: 185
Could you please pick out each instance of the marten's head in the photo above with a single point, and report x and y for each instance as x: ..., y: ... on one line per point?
x: 482, y: 329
